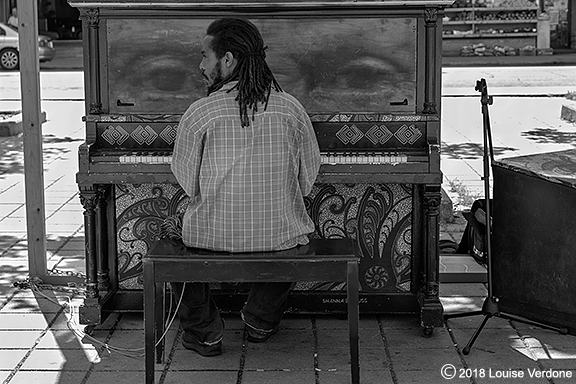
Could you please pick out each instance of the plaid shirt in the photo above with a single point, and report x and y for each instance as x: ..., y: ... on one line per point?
x: 246, y: 185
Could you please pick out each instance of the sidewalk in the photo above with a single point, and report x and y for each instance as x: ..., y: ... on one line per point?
x: 37, y: 345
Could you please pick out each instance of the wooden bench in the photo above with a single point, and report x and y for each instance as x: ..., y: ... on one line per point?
x: 320, y: 260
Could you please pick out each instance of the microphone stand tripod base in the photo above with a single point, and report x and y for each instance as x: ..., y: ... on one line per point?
x: 489, y: 309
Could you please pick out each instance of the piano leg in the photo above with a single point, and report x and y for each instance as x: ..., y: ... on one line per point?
x: 90, y: 310
x: 103, y: 268
x: 431, y: 307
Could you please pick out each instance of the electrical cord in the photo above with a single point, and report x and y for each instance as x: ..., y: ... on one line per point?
x: 74, y: 327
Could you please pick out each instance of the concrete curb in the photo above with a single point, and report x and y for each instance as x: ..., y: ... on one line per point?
x: 12, y: 125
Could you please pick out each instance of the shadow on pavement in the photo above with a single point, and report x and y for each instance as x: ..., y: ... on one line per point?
x: 470, y: 151
x: 550, y: 136
x: 12, y: 151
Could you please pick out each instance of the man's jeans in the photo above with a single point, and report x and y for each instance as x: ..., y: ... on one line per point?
x: 200, y: 317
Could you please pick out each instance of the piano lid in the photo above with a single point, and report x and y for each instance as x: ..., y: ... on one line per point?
x: 134, y: 4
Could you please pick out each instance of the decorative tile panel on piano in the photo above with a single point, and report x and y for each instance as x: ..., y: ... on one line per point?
x: 368, y: 73
x: 378, y: 217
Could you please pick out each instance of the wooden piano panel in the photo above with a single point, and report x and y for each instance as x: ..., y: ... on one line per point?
x: 331, y: 65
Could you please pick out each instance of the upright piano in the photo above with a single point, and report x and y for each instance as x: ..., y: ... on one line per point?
x: 368, y: 73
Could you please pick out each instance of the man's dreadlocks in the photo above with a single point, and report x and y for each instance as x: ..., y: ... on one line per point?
x: 255, y: 79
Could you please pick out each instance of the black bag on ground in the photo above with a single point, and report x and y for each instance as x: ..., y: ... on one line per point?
x: 473, y: 240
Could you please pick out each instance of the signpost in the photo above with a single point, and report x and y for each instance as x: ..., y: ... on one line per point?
x: 32, y: 127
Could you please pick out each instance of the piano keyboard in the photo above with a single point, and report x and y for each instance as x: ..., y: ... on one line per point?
x: 356, y: 158
x: 325, y: 158
x: 145, y: 159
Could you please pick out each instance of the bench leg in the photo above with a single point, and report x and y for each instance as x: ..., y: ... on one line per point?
x: 149, y: 321
x: 353, y: 319
x: 159, y: 317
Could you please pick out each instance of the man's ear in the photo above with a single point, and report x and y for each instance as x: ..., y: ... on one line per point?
x: 229, y: 60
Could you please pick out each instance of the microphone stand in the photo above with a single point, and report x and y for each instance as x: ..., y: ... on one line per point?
x: 490, y: 307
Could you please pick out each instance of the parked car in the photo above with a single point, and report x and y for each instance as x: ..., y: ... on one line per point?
x: 9, y: 56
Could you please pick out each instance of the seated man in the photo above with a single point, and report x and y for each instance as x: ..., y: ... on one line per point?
x: 245, y: 155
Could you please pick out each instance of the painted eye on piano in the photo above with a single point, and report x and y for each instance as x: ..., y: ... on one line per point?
x: 160, y: 75
x: 366, y: 82
x: 370, y: 72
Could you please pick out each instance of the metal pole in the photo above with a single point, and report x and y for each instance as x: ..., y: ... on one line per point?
x: 32, y: 127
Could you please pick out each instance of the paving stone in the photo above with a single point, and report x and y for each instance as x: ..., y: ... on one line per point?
x: 56, y: 255
x: 47, y: 377
x: 12, y: 209
x: 340, y: 376
x: 416, y: 359
x: 331, y: 322
x: 278, y: 377
x: 425, y: 376
x: 13, y: 225
x: 4, y: 375
x: 112, y: 361
x: 7, y: 242
x: 64, y: 321
x: 131, y: 321
x: 13, y: 195
x: 9, y: 358
x: 369, y: 338
x: 495, y: 376
x: 504, y: 357
x: 539, y: 337
x: 8, y: 278
x: 392, y: 321
x: 123, y: 377
x: 31, y: 305
x: 18, y: 339
x: 63, y: 339
x: 174, y: 377
x: 26, y: 321
x: 130, y: 340
x: 489, y: 338
x: 6, y: 287
x: 70, y: 244
x: 292, y: 321
x: 296, y: 338
x: 469, y: 323
x: 60, y: 360
x: 410, y: 338
x: 270, y: 356
x: 69, y: 264
x: 338, y: 357
x: 559, y: 362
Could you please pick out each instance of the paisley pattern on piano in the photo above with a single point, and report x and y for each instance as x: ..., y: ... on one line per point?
x: 378, y: 217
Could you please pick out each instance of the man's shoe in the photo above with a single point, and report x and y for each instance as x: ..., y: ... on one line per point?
x: 206, y: 350
x: 257, y: 336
